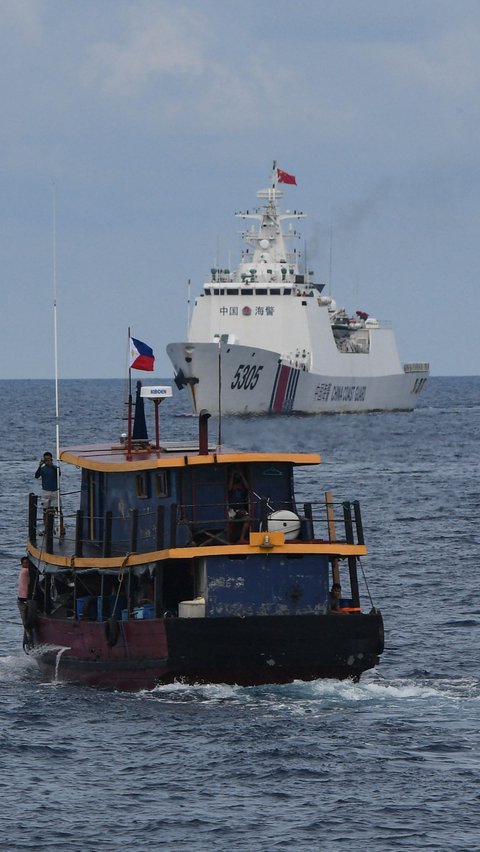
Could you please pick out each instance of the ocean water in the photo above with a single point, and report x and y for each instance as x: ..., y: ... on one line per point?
x: 390, y: 763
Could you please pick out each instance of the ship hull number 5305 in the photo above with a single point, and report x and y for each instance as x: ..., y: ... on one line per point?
x: 246, y: 377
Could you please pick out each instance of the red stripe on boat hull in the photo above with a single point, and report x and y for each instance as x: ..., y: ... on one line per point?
x: 281, y: 389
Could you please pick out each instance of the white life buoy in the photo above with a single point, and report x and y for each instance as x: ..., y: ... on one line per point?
x: 284, y: 521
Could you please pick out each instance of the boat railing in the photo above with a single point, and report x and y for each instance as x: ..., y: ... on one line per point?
x: 333, y: 521
x: 184, y: 525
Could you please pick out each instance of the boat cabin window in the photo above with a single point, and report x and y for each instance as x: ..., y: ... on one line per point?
x: 142, y: 482
x: 287, y: 291
x: 161, y: 484
x: 248, y: 292
x: 275, y: 291
x: 261, y: 291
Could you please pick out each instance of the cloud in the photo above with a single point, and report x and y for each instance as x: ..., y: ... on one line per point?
x: 448, y: 64
x: 170, y: 42
x: 23, y: 18
x: 168, y: 61
x: 179, y: 63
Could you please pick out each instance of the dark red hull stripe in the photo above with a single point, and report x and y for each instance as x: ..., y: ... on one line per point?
x: 284, y: 389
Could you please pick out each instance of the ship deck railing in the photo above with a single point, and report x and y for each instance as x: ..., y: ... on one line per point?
x: 182, y: 526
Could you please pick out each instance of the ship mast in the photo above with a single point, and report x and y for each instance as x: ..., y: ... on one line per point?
x: 55, y: 347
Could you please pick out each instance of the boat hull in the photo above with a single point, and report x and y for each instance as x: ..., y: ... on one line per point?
x: 251, y: 380
x: 243, y: 651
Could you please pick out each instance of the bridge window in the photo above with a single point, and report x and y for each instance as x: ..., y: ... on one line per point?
x: 161, y: 484
x: 142, y: 482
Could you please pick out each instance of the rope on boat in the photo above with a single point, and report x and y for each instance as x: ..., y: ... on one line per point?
x: 365, y: 581
x: 269, y: 506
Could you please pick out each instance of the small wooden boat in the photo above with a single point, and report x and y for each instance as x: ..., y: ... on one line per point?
x: 197, y: 564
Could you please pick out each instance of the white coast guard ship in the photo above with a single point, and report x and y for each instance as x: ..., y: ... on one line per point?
x: 264, y: 339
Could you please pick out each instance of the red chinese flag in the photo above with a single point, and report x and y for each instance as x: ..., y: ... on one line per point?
x: 284, y: 177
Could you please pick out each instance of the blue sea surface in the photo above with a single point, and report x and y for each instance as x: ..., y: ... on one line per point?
x: 390, y: 763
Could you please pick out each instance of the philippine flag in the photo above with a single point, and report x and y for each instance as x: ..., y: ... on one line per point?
x: 141, y: 355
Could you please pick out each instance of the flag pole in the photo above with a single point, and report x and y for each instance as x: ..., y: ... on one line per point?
x: 219, y: 440
x: 55, y: 346
x: 129, y: 414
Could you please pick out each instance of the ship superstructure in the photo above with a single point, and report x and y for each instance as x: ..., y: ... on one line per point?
x: 266, y: 339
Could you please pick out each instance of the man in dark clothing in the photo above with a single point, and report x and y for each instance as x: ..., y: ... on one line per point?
x: 49, y: 474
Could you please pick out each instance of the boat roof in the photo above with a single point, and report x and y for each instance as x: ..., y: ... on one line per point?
x: 112, y: 458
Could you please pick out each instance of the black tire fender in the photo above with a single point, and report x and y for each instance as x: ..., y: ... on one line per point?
x: 112, y: 631
x: 30, y: 618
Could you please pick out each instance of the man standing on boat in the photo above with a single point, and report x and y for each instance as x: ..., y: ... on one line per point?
x: 334, y: 598
x: 49, y: 474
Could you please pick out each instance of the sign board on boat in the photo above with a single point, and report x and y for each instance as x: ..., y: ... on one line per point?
x: 156, y: 391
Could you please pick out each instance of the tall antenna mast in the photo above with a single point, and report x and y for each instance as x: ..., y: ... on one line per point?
x: 188, y: 306
x: 55, y: 345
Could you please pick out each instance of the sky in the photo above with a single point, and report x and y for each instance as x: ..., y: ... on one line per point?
x: 131, y: 131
